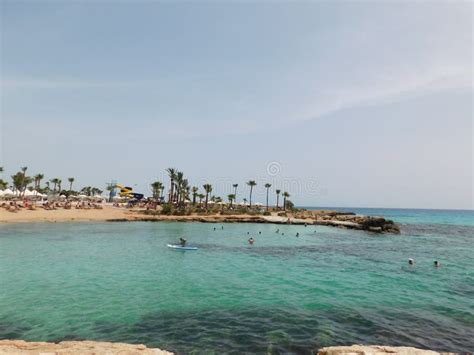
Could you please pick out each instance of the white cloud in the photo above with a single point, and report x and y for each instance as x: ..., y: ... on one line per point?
x: 387, y: 89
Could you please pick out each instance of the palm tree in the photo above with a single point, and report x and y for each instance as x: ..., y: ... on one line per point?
x: 23, y: 185
x: 231, y: 198
x: 208, y: 189
x: 71, y: 180
x: 156, y: 188
x: 235, y: 191
x: 251, y: 183
x: 172, y: 175
x: 285, y: 196
x: 195, y: 190
x: 38, y: 178
x: 110, y: 188
x: 200, y: 197
x: 278, y: 197
x: 267, y: 186
x: 3, y: 184
x: 55, y: 183
x: 183, y: 191
x: 178, y: 185
x: 59, y: 185
x: 87, y: 191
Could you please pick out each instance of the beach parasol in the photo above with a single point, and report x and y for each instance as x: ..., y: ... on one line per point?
x: 8, y: 192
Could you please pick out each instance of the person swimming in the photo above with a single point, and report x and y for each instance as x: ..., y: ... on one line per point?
x: 437, y: 263
x: 411, y: 261
x: 251, y: 241
x: 182, y: 242
x: 259, y: 232
x: 297, y: 234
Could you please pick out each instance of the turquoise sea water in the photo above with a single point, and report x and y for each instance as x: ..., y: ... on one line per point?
x: 119, y: 282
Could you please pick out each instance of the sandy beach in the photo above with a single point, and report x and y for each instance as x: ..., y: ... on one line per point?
x: 64, y: 215
x: 113, y: 214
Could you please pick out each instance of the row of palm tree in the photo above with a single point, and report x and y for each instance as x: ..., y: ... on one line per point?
x: 21, y: 181
x: 179, y: 191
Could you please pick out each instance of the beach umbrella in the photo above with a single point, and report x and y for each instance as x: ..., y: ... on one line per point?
x: 8, y: 192
x: 1, y: 193
x: 258, y: 204
x: 29, y: 193
x: 82, y: 196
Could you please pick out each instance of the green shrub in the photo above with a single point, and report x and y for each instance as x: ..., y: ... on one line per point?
x: 167, y: 209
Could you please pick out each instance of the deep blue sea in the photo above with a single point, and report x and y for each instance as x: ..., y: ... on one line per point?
x: 283, y: 295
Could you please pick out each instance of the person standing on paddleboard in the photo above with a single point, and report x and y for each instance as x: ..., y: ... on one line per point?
x: 182, y: 242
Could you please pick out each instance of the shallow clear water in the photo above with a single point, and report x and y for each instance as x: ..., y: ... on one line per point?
x: 119, y: 282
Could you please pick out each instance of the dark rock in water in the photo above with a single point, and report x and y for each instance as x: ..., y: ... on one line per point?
x: 375, y: 229
x: 378, y: 224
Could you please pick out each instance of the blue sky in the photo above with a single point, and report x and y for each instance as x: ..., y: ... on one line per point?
x: 340, y: 103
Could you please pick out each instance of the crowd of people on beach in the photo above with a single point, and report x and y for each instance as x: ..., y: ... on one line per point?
x: 16, y: 206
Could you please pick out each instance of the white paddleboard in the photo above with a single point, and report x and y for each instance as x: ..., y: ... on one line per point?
x: 179, y: 247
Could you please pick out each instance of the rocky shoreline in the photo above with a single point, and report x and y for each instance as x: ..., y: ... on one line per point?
x: 110, y: 213
x: 323, y: 218
x: 94, y: 347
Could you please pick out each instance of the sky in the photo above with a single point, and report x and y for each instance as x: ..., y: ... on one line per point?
x: 340, y: 103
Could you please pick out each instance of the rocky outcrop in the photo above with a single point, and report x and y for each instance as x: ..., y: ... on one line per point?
x: 75, y: 347
x: 93, y: 347
x: 368, y: 223
x: 374, y: 350
x: 336, y: 219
